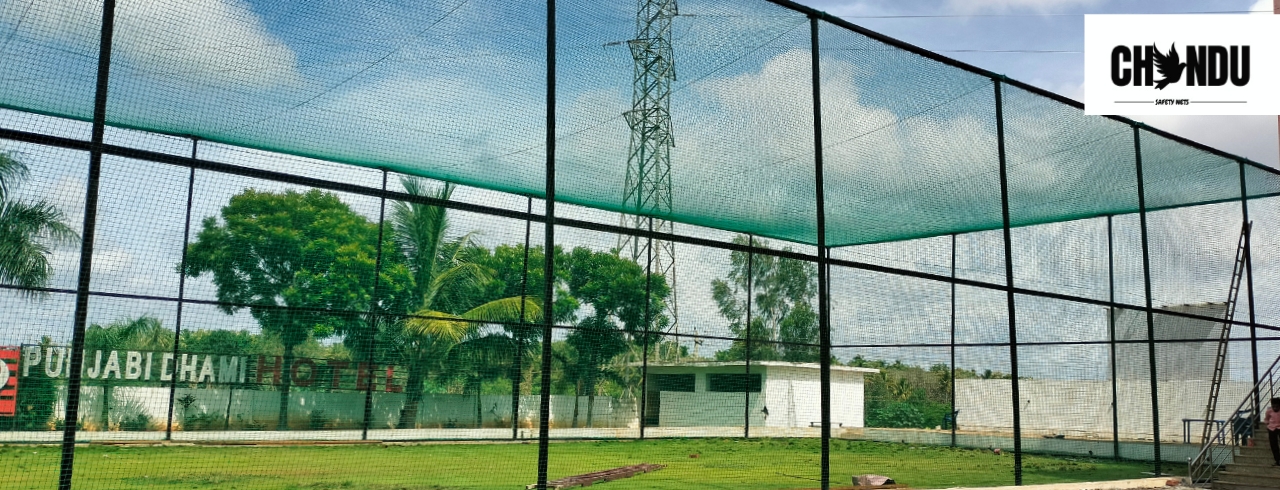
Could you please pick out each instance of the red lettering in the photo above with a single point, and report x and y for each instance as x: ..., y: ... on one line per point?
x: 391, y: 386
x: 311, y: 372
x: 274, y: 368
x: 336, y: 368
x: 362, y: 377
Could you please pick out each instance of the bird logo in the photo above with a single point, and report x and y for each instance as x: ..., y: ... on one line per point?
x: 1168, y: 65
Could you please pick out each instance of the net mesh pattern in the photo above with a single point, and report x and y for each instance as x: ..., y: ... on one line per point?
x: 320, y: 244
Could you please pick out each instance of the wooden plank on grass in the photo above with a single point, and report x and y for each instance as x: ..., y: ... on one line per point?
x: 587, y: 479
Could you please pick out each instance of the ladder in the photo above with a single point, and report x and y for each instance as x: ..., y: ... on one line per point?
x: 1220, y: 361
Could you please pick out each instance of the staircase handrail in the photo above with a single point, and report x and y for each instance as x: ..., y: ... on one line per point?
x: 1205, y: 465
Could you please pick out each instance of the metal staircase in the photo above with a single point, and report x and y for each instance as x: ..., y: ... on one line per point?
x: 1233, y: 463
x: 1220, y: 361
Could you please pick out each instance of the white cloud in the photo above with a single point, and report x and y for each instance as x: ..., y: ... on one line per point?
x: 1253, y: 137
x: 220, y: 42
x: 1264, y: 7
x: 1000, y: 6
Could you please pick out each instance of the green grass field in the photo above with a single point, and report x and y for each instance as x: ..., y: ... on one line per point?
x: 720, y: 464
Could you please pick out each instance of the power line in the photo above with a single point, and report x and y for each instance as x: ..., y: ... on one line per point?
x: 960, y: 16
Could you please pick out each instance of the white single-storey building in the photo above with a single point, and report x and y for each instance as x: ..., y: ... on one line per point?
x: 782, y: 394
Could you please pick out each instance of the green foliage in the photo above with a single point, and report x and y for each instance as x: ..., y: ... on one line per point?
x: 440, y: 337
x: 36, y: 398
x: 223, y: 342
x: 307, y: 252
x: 901, y: 414
x: 28, y: 230
x: 902, y: 395
x: 782, y: 292
x: 615, y: 288
x: 300, y: 261
x: 507, y: 272
x: 130, y: 415
x: 317, y: 419
x: 203, y: 421
x: 141, y: 333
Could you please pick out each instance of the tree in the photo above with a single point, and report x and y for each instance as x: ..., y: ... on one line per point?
x: 783, y: 291
x: 302, y: 262
x: 596, y: 340
x: 512, y: 274
x: 37, y: 398
x: 142, y: 333
x: 615, y: 288
x: 428, y: 337
x: 27, y: 231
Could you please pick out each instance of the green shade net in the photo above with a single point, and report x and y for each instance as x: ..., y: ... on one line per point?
x: 455, y: 90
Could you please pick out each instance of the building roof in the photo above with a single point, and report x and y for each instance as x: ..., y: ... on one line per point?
x: 798, y: 365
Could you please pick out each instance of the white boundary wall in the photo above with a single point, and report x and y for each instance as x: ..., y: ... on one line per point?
x: 1083, y: 408
x: 346, y: 409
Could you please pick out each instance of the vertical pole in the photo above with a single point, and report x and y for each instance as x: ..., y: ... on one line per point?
x: 72, y: 414
x: 1146, y: 278
x: 549, y: 252
x: 375, y: 312
x: 953, y: 340
x: 648, y: 319
x: 1248, y: 260
x: 182, y: 289
x: 1111, y: 328
x: 824, y: 316
x: 746, y: 410
x: 1008, y: 279
x: 523, y: 329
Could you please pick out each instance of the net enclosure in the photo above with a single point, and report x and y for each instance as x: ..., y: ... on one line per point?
x: 743, y: 239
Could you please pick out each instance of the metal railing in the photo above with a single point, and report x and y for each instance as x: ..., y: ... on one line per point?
x: 1219, y: 449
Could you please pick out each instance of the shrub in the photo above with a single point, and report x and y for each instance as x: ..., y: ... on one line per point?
x: 316, y: 420
x: 202, y: 421
x: 130, y: 415
x: 896, y: 415
x: 36, y: 397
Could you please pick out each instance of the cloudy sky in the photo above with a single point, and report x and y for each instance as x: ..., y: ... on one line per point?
x: 454, y: 89
x: 1041, y: 42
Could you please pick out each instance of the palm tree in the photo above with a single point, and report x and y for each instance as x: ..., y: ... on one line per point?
x: 27, y: 231
x: 142, y: 333
x: 428, y: 338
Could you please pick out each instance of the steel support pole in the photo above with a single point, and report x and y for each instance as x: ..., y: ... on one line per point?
x: 746, y: 409
x: 1248, y: 260
x: 549, y: 251
x: 953, y: 340
x: 182, y: 289
x: 824, y: 315
x: 72, y: 414
x: 1008, y: 279
x: 1111, y: 329
x: 375, y: 314
x: 519, y: 336
x: 648, y: 320
x: 1146, y: 279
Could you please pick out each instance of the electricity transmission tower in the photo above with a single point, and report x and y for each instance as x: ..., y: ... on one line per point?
x: 648, y: 186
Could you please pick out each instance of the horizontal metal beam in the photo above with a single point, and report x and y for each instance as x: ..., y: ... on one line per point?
x: 226, y: 168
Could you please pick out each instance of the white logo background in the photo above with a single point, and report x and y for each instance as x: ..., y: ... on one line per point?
x: 1261, y: 33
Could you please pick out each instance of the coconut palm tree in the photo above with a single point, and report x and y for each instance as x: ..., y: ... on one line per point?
x: 27, y: 231
x: 141, y: 333
x: 428, y: 338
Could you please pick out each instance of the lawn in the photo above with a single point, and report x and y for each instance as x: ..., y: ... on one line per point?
x: 692, y: 464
